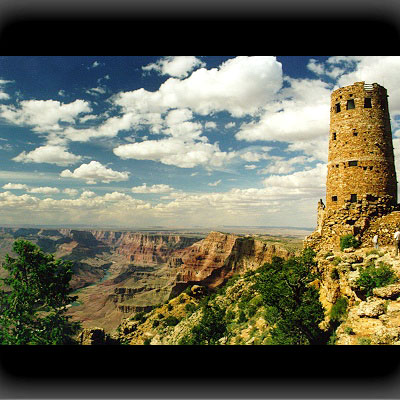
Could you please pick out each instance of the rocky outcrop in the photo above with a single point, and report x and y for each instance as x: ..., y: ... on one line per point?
x: 146, y: 249
x: 216, y: 258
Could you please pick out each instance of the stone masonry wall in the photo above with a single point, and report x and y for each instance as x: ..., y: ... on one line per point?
x: 361, y: 160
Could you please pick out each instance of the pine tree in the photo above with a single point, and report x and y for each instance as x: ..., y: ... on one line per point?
x: 33, y: 298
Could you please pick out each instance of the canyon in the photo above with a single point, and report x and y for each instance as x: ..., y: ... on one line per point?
x: 119, y: 273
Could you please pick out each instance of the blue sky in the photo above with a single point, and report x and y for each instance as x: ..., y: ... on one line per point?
x: 174, y: 141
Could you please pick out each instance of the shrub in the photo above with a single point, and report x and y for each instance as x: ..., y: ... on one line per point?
x: 190, y: 308
x: 171, y: 321
x: 292, y: 304
x: 335, y: 274
x: 169, y: 307
x: 347, y: 241
x: 364, y: 341
x: 210, y: 329
x: 338, y: 310
x: 156, y: 322
x: 336, y: 261
x: 348, y: 330
x: 140, y: 316
x: 242, y: 317
x: 372, y: 277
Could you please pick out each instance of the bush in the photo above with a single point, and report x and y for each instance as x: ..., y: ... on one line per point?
x: 292, y: 304
x: 190, y: 308
x: 372, y: 277
x: 210, y: 329
x: 338, y: 310
x: 347, y: 241
x: 171, y: 321
x: 335, y: 274
x: 242, y: 317
x: 140, y: 316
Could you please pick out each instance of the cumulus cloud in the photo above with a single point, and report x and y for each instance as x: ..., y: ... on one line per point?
x: 240, y: 86
x: 3, y: 94
x: 95, y: 171
x: 50, y: 154
x: 43, y: 115
x: 160, y: 188
x: 15, y: 186
x: 110, y: 208
x: 44, y: 190
x: 176, y: 66
x: 175, y: 152
x: 70, y: 192
x: 281, y: 165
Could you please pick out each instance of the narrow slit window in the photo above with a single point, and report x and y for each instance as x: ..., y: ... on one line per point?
x: 367, y: 102
x: 334, y: 198
x: 337, y: 107
x: 353, y: 198
x: 334, y: 136
x: 350, y: 104
x: 353, y: 163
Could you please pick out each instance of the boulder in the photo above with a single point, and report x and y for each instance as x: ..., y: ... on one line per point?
x: 388, y: 292
x: 371, y: 308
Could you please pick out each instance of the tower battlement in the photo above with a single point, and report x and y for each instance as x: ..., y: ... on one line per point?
x: 361, y: 160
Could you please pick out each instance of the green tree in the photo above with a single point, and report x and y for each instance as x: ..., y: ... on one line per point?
x: 33, y: 298
x: 210, y: 329
x: 375, y: 276
x: 293, y: 307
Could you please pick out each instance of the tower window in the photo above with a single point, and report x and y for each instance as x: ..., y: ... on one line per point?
x: 350, y: 104
x: 334, y: 198
x: 353, y: 198
x: 353, y: 163
x: 334, y: 136
x: 355, y: 133
x: 367, y: 102
x: 337, y: 107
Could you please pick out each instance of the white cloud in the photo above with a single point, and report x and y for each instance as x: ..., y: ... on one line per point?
x: 4, y: 95
x: 15, y: 186
x: 312, y: 180
x: 216, y: 183
x: 250, y: 166
x: 70, y: 192
x: 93, y: 172
x: 44, y: 190
x: 210, y: 125
x: 240, y: 86
x: 176, y: 152
x: 285, y: 166
x: 300, y: 117
x: 43, y: 115
x: 96, y: 91
x: 50, y: 154
x: 176, y: 66
x: 161, y: 188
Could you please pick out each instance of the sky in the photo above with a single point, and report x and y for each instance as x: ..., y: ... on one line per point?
x: 173, y: 141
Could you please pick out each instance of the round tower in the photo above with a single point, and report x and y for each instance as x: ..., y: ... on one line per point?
x: 361, y: 160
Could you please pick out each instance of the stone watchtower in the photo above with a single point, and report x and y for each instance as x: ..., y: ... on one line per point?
x: 361, y: 161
